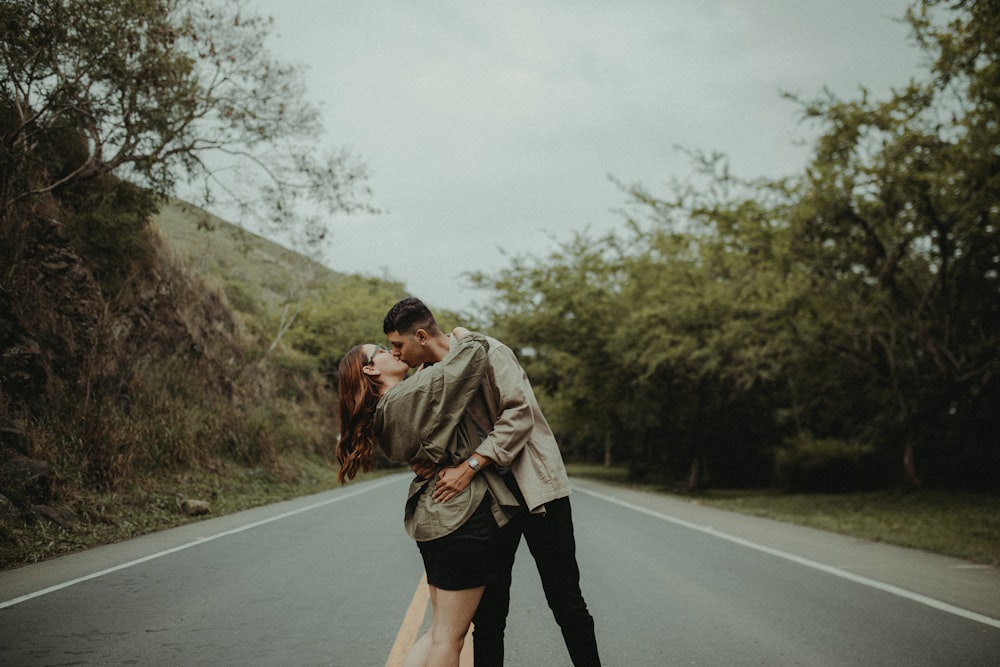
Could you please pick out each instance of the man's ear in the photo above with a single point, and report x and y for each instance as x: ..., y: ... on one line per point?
x: 421, y: 336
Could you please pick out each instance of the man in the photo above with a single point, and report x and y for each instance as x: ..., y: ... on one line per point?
x: 517, y: 439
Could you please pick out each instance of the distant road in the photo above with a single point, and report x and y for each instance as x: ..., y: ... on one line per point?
x: 328, y: 580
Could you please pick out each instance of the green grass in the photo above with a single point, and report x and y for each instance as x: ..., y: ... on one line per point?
x: 256, y: 274
x: 105, y: 518
x: 961, y: 525
x: 953, y: 524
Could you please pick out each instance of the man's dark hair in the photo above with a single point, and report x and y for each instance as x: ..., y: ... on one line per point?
x: 409, y: 315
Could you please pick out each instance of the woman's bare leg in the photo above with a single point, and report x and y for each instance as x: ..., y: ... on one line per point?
x: 417, y: 655
x: 453, y: 612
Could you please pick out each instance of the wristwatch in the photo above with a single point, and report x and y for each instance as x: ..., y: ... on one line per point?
x: 473, y: 463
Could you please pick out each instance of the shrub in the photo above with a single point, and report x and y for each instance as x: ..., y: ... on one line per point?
x: 807, y: 464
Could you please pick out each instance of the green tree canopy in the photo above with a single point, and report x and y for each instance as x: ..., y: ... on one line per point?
x: 164, y: 92
x: 844, y: 320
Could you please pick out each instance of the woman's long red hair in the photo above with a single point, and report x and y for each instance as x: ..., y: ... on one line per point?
x: 357, y: 394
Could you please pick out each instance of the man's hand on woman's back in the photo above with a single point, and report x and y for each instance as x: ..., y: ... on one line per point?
x: 423, y: 469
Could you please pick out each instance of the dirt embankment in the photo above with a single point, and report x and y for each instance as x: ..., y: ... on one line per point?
x: 68, y: 350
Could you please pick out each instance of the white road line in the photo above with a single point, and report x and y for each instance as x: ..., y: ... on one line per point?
x: 837, y: 572
x: 201, y: 540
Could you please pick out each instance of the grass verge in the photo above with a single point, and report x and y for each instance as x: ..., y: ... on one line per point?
x: 155, y: 504
x: 962, y: 525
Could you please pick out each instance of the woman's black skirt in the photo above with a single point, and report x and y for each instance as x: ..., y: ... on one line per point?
x: 464, y: 558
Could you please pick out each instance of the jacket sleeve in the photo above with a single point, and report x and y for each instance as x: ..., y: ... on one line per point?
x: 420, y: 415
x: 513, y: 419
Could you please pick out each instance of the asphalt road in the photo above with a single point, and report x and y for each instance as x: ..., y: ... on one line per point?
x: 328, y: 580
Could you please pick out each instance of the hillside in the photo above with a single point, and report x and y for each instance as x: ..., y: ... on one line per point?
x: 255, y: 273
x: 154, y: 377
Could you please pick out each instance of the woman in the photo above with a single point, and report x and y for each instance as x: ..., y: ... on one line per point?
x: 422, y: 421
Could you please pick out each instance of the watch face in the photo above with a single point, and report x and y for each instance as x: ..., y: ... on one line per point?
x: 474, y: 463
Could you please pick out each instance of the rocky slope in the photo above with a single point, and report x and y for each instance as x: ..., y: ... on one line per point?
x: 68, y: 347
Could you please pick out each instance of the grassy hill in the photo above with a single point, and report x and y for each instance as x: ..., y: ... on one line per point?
x: 197, y: 370
x: 254, y: 272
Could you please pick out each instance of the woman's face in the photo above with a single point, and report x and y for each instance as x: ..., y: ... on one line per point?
x: 381, y: 359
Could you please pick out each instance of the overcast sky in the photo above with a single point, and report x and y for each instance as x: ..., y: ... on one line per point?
x: 490, y: 129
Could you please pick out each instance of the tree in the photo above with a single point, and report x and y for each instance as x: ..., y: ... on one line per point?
x: 164, y: 92
x: 713, y: 287
x: 869, y: 284
x: 897, y: 222
x: 837, y: 319
x: 562, y: 314
x: 342, y: 314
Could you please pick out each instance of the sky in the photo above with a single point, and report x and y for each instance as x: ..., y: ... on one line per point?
x: 495, y: 130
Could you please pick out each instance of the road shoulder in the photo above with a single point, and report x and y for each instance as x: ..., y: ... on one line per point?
x: 963, y: 584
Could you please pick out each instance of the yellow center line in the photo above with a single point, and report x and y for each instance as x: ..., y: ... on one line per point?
x: 465, y: 660
x: 411, y: 625
x: 410, y: 629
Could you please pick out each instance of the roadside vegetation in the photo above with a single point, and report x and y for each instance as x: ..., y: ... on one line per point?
x: 965, y: 526
x: 961, y: 525
x: 832, y: 336
x: 836, y: 330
